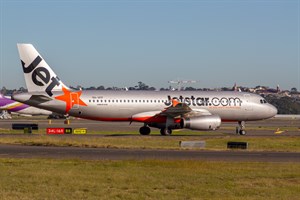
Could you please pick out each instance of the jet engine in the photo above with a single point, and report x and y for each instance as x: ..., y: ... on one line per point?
x: 207, y: 122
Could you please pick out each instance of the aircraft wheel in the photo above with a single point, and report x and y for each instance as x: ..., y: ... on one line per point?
x: 242, y: 132
x: 145, y: 130
x: 165, y: 131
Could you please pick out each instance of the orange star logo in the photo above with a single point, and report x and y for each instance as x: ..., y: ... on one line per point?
x: 175, y: 102
x: 71, y: 99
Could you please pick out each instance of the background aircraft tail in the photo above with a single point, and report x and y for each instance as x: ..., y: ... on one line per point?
x: 39, y: 77
x: 4, y: 101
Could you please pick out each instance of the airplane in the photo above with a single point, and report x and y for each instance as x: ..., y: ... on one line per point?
x: 11, y: 106
x: 166, y: 110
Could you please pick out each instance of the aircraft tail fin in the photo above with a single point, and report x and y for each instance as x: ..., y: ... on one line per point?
x: 39, y: 77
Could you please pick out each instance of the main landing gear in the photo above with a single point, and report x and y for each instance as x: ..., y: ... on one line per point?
x: 165, y: 131
x: 240, y: 129
x: 145, y: 130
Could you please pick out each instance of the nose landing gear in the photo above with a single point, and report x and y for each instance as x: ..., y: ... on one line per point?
x: 241, y: 128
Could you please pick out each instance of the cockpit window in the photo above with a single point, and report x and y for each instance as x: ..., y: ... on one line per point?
x: 263, y: 101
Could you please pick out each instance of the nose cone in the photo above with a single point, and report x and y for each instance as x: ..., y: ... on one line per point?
x: 272, y: 111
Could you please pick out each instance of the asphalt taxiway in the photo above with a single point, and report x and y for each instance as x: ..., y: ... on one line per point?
x: 19, y: 151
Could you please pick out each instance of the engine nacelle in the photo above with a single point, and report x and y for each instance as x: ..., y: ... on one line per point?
x: 205, y: 123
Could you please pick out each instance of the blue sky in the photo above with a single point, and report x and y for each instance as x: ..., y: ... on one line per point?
x: 118, y: 43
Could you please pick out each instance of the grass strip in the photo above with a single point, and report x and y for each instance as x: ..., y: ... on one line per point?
x: 255, y: 143
x: 150, y: 179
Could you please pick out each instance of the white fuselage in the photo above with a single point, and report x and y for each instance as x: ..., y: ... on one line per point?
x: 122, y: 105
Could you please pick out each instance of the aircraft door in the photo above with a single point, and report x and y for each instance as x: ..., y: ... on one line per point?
x: 248, y: 105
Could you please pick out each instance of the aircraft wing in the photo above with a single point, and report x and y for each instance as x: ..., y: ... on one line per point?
x: 177, y: 109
